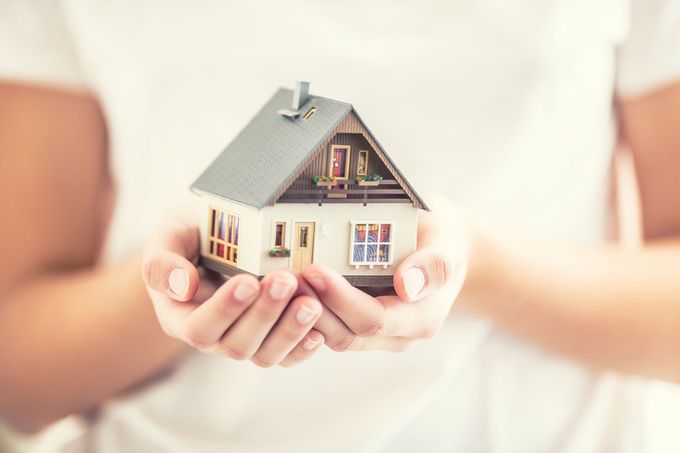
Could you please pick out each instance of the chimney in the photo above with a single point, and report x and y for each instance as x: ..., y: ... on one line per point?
x: 300, y: 95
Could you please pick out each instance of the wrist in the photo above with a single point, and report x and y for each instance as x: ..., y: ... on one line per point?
x: 484, y: 263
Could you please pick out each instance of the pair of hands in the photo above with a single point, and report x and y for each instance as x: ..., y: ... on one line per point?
x: 284, y: 318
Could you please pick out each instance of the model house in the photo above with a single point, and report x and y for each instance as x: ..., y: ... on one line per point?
x: 307, y: 182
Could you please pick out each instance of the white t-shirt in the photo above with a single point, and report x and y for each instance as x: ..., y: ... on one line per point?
x: 504, y: 106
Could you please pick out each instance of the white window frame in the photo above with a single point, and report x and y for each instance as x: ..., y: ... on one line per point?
x: 390, y: 243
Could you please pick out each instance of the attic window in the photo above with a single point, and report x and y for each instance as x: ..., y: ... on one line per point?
x: 309, y: 113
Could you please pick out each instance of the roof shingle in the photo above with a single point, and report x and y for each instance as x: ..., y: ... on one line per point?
x: 268, y: 151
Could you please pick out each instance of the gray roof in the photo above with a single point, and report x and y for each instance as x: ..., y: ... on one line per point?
x: 267, y: 153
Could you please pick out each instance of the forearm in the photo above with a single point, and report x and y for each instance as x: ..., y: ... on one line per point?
x: 68, y: 340
x: 607, y: 306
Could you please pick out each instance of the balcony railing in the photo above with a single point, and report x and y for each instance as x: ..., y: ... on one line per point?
x: 345, y: 191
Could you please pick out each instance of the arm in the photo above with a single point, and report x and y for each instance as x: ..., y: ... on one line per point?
x: 70, y: 331
x: 73, y: 333
x: 609, y: 306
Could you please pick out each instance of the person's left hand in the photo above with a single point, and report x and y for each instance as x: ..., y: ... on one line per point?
x: 426, y: 283
x: 268, y: 322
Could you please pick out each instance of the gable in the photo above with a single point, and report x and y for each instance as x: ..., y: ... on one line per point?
x: 380, y: 163
x: 267, y: 156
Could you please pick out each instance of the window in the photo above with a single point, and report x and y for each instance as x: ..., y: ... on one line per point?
x: 362, y: 164
x: 279, y: 235
x: 309, y: 113
x: 304, y: 233
x: 223, y: 237
x: 371, y: 243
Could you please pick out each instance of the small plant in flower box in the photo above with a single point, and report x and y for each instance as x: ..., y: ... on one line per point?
x: 325, y: 181
x: 279, y: 252
x: 370, y: 180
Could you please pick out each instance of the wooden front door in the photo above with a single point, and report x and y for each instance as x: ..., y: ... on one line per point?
x: 303, y: 245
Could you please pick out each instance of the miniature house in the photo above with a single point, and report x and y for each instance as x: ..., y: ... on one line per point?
x: 307, y: 182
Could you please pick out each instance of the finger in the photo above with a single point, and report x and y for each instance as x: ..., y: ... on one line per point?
x: 337, y: 335
x: 171, y: 275
x: 172, y: 314
x: 304, y: 349
x: 244, y: 338
x: 340, y: 338
x: 414, y: 320
x: 294, y: 324
x: 303, y: 288
x: 335, y: 332
x: 167, y: 268
x: 363, y: 314
x: 207, y: 323
x: 206, y: 286
x: 422, y: 273
x: 364, y: 321
x: 441, y: 252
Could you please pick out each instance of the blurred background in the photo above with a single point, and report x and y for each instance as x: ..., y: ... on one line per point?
x: 511, y: 110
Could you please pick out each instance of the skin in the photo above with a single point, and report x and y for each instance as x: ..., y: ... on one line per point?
x: 82, y: 324
x: 91, y: 329
x: 608, y: 306
x: 268, y: 322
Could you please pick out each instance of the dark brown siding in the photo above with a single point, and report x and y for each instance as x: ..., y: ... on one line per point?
x: 318, y: 166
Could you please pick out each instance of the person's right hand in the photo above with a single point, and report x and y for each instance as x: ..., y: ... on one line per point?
x: 244, y: 319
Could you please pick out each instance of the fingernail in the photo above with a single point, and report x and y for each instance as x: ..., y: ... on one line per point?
x: 244, y: 292
x: 279, y: 289
x: 414, y: 281
x: 309, y: 344
x: 317, y: 281
x: 305, y: 315
x: 178, y: 281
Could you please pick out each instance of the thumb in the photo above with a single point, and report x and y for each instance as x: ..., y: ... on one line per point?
x: 170, y: 274
x: 167, y: 267
x: 422, y: 273
x: 441, y: 256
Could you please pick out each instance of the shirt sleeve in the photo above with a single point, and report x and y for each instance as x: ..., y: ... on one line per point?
x: 649, y: 58
x: 35, y: 45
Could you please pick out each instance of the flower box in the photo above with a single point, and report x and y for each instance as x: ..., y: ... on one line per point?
x: 279, y: 253
x: 370, y: 180
x: 325, y: 181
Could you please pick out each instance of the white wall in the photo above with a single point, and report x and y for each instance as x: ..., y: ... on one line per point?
x: 332, y: 233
